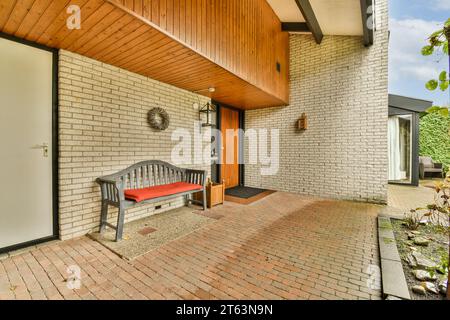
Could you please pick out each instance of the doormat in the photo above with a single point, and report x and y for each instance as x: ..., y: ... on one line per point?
x: 244, y: 192
x: 145, y: 235
x: 246, y: 195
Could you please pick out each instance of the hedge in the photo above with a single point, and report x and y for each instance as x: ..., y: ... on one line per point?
x: 435, y: 138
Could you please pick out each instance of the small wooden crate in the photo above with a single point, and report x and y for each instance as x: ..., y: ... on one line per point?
x: 215, y: 194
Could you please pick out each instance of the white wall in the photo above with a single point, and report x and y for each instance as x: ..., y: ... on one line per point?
x: 343, y: 89
x: 103, y: 129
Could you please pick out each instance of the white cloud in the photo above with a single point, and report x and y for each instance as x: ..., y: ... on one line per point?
x: 442, y: 5
x: 405, y: 59
x: 422, y: 73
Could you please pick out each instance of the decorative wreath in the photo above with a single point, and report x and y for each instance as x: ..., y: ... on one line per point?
x: 158, y: 119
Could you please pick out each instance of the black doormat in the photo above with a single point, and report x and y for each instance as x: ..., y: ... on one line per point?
x: 244, y: 192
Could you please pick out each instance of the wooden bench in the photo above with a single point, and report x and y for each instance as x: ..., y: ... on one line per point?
x: 144, y: 183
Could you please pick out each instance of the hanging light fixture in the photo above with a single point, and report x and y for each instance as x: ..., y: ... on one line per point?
x: 208, y: 109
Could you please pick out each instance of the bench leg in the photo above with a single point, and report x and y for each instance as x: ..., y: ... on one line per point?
x: 205, y: 204
x: 103, y: 216
x: 120, y: 223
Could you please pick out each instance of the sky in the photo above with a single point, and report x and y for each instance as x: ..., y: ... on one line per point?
x: 411, y: 22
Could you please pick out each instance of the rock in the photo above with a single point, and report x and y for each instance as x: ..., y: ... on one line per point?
x: 423, y: 275
x: 411, y: 260
x: 430, y: 287
x: 413, y: 248
x: 408, y: 242
x: 415, y: 233
x: 411, y: 235
x: 419, y: 290
x: 423, y: 262
x: 443, y: 286
x: 416, y: 259
x: 420, y: 241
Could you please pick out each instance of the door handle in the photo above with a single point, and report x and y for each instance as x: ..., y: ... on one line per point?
x: 44, y: 148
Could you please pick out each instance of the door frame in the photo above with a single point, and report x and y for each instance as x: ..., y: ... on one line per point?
x: 218, y: 167
x: 55, y: 145
x: 415, y: 145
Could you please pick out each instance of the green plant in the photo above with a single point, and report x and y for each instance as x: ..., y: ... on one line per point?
x: 437, y: 213
x: 413, y: 218
x: 439, y: 41
x: 435, y: 138
x: 444, y: 263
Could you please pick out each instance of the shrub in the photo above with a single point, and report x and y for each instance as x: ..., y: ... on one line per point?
x: 435, y: 138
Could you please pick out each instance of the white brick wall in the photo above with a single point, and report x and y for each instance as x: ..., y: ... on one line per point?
x: 343, y: 88
x: 103, y: 128
x: 340, y: 85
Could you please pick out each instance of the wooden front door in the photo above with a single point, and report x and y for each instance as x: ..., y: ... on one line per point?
x: 229, y: 127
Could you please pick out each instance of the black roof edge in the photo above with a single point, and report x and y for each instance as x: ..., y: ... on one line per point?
x: 409, y: 103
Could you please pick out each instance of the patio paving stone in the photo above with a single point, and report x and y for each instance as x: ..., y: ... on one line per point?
x: 285, y: 246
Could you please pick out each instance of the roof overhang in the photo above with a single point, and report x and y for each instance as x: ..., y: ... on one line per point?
x: 408, y: 103
x: 325, y: 17
x: 114, y: 34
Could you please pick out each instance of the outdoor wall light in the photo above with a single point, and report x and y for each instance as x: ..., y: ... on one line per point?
x: 303, y: 122
x: 209, y: 110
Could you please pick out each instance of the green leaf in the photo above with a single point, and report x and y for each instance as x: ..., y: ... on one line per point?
x: 433, y: 109
x: 443, y: 85
x: 443, y: 76
x: 432, y: 85
x: 427, y: 50
x: 422, y: 114
x: 445, y: 48
x: 447, y: 23
x: 444, y: 112
x: 438, y: 110
x: 436, y: 34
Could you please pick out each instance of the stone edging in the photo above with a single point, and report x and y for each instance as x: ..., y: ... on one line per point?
x: 392, y: 275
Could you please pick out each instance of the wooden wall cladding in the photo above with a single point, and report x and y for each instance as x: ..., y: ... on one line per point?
x: 120, y: 34
x: 243, y: 36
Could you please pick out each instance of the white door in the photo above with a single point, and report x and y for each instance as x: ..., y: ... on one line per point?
x: 26, y: 210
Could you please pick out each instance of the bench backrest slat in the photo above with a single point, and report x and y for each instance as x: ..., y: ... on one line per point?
x: 151, y: 173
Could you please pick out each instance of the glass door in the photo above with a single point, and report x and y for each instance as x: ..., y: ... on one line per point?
x: 400, y: 149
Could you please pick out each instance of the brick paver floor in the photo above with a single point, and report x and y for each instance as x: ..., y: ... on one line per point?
x: 404, y: 198
x: 282, y: 247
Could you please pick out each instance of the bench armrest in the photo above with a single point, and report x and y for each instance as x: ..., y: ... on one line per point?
x: 195, y: 177
x: 106, y: 179
x: 111, y: 188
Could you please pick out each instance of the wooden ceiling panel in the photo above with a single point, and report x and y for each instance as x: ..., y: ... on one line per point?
x: 105, y: 27
x: 17, y: 16
x: 32, y: 17
x: 108, y: 40
x: 117, y: 53
x: 116, y: 36
x: 6, y: 8
x: 105, y: 15
x: 49, y: 16
x: 61, y: 32
x: 56, y: 24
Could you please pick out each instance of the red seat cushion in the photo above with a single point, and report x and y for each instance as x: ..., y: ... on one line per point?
x: 140, y: 195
